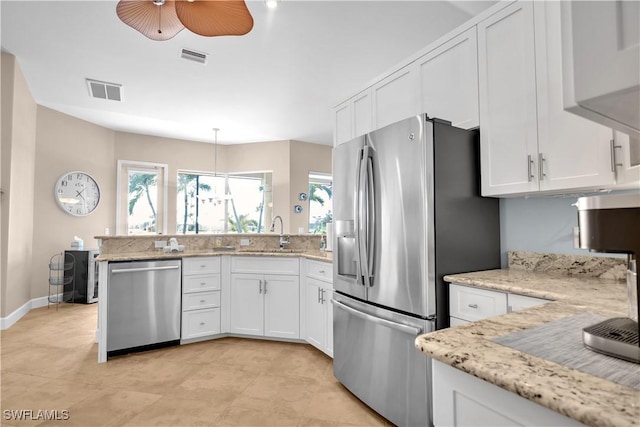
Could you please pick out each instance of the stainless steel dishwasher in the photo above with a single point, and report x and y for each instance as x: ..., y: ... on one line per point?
x: 143, y: 304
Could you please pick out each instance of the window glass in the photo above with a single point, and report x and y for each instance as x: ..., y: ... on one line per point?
x: 320, y: 203
x: 141, y: 198
x: 235, y: 203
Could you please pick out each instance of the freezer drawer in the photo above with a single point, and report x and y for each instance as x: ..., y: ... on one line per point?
x: 376, y: 359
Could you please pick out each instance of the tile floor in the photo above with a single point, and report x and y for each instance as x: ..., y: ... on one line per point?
x: 48, y: 361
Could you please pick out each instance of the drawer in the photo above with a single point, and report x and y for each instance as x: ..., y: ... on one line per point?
x: 454, y: 321
x: 200, y: 323
x: 266, y: 265
x: 473, y: 304
x: 200, y: 300
x: 200, y: 265
x: 205, y: 282
x: 320, y: 270
x: 520, y: 302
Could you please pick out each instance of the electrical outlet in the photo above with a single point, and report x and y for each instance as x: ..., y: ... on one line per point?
x: 244, y: 242
x: 160, y: 244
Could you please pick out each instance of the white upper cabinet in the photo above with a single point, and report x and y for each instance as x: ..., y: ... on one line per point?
x: 602, y: 82
x: 626, y: 160
x: 353, y: 118
x: 573, y: 152
x: 507, y: 86
x: 342, y: 123
x: 396, y: 97
x: 449, y: 81
x: 529, y: 143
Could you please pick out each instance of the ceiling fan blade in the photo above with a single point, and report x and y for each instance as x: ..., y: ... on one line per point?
x: 157, y: 22
x: 215, y: 17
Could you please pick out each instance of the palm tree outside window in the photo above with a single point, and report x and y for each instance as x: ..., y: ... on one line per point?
x: 320, y: 202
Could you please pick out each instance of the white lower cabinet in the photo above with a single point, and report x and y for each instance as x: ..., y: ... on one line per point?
x: 320, y: 315
x: 200, y: 298
x: 460, y: 399
x: 470, y: 304
x: 265, y: 304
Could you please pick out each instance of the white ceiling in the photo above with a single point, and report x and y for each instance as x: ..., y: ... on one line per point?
x: 277, y: 82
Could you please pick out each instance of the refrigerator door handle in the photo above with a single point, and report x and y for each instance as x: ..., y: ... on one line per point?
x: 361, y: 217
x: 407, y: 329
x: 371, y: 220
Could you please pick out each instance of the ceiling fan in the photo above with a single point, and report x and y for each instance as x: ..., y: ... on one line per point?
x: 163, y: 19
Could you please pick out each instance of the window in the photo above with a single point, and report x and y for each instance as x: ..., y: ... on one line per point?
x: 320, y: 203
x: 141, y: 200
x: 231, y: 203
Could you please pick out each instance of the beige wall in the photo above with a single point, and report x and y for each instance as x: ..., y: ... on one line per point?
x: 19, y: 112
x: 66, y: 144
x: 305, y: 158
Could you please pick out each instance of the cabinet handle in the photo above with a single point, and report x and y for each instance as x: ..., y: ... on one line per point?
x: 203, y: 266
x: 530, y: 175
x: 473, y: 305
x: 322, y: 296
x: 201, y: 323
x: 541, y: 161
x: 318, y: 295
x: 265, y: 286
x: 202, y: 301
x: 203, y: 283
x: 260, y: 286
x: 614, y: 164
x: 321, y: 271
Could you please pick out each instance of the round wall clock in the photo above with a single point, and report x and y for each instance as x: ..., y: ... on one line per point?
x: 77, y: 193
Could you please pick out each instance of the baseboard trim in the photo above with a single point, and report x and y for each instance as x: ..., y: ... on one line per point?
x: 10, y: 320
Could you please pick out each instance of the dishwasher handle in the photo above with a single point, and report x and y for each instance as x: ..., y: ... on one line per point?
x: 407, y: 329
x: 136, y: 270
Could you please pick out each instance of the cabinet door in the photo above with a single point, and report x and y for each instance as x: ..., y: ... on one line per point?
x: 281, y: 306
x: 396, y: 97
x: 342, y: 131
x: 315, y: 315
x: 507, y: 88
x: 247, y: 304
x: 328, y: 295
x: 573, y: 152
x: 449, y: 81
x: 361, y: 106
x: 627, y: 160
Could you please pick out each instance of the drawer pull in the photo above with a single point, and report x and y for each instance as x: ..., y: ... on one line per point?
x: 203, y: 266
x: 321, y: 271
x: 473, y: 305
x: 201, y: 323
x: 202, y: 300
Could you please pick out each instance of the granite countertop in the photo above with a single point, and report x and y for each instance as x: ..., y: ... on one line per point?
x: 159, y: 254
x: 588, y: 399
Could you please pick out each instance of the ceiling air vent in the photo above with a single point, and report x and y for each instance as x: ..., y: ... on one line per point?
x: 192, y: 55
x: 104, y: 90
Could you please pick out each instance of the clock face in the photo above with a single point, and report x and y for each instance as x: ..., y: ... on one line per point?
x: 77, y: 193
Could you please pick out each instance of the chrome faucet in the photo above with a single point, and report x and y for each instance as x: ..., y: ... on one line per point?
x: 284, y: 240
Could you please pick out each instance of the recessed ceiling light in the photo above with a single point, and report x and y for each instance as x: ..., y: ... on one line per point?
x: 271, y: 4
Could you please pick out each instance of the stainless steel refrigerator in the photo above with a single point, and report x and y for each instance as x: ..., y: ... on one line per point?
x: 407, y: 211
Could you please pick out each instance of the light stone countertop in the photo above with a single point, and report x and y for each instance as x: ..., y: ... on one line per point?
x: 588, y: 399
x: 159, y: 254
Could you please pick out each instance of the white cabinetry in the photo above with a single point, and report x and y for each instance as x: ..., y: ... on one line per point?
x: 470, y: 304
x: 626, y: 160
x: 265, y: 297
x: 200, y: 298
x: 449, y: 81
x: 319, y: 311
x: 464, y: 400
x: 396, y: 97
x: 528, y: 142
x: 353, y: 118
x: 601, y: 41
